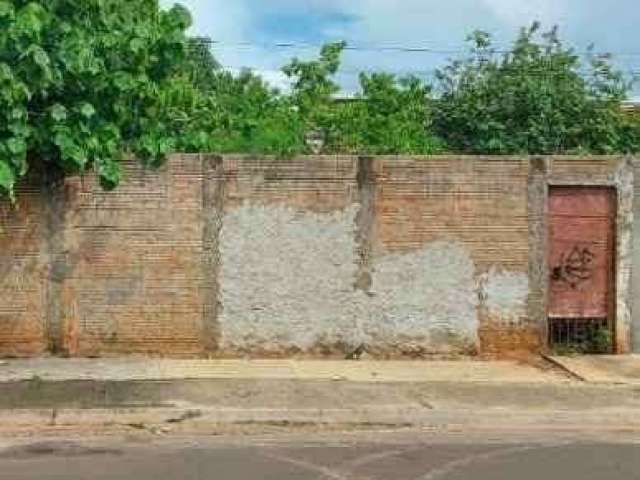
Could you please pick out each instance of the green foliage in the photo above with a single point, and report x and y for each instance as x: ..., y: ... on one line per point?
x: 598, y: 340
x: 602, y: 341
x: 389, y: 116
x: 630, y: 132
x: 313, y: 86
x: 536, y: 98
x: 229, y: 114
x: 84, y: 83
x: 78, y: 81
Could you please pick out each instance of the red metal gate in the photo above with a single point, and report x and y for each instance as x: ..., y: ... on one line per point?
x: 581, y: 265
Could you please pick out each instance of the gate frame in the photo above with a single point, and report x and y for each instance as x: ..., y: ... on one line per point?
x: 612, y: 193
x: 619, y: 177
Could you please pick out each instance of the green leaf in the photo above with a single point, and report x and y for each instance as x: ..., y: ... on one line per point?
x: 6, y: 10
x: 19, y: 129
x: 58, y: 112
x: 110, y: 173
x: 17, y: 114
x: 30, y: 19
x: 63, y: 140
x: 17, y: 146
x: 181, y: 17
x: 81, y: 83
x: 7, y: 177
x: 137, y: 45
x: 40, y: 57
x: 41, y: 60
x: 87, y: 110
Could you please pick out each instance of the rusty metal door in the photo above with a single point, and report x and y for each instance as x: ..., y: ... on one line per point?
x: 581, y: 262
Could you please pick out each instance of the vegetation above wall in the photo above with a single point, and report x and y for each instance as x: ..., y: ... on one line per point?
x: 537, y: 98
x: 82, y: 84
x: 79, y: 82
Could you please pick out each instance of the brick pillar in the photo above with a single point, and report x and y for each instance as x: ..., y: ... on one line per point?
x: 365, y: 222
x: 212, y: 217
x: 62, y: 322
x: 538, y: 275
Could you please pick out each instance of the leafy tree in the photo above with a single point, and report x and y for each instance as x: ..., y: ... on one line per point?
x: 255, y: 118
x: 536, y: 98
x: 229, y: 114
x: 313, y: 86
x: 630, y: 132
x: 79, y: 81
x: 200, y: 66
x: 210, y: 109
x: 84, y: 83
x: 388, y: 116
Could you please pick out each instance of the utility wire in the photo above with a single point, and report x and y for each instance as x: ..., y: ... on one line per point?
x: 426, y: 48
x: 435, y: 71
x: 378, y: 48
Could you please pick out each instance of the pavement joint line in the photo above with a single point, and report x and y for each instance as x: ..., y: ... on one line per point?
x: 468, y: 460
x: 564, y: 368
x: 325, y: 471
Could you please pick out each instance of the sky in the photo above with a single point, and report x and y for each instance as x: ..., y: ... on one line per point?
x: 248, y: 31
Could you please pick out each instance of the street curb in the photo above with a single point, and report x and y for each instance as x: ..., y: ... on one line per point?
x: 378, y: 417
x: 391, y: 415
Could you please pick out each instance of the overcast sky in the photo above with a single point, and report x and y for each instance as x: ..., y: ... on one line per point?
x: 612, y: 25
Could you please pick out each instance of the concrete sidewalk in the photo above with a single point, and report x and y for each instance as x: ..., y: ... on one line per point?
x: 210, y: 395
x: 602, y: 369
x: 132, y: 369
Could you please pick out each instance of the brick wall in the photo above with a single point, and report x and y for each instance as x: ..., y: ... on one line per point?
x: 23, y: 274
x: 234, y: 255
x: 462, y: 225
x: 135, y: 276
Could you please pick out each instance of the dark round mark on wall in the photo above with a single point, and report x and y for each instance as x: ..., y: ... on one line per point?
x: 574, y: 267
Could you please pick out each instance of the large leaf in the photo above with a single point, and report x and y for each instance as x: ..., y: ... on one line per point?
x: 6, y: 10
x: 87, y: 110
x: 58, y: 112
x: 7, y: 178
x: 110, y: 173
x: 30, y: 18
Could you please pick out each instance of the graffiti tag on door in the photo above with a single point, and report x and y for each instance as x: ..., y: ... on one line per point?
x: 574, y: 267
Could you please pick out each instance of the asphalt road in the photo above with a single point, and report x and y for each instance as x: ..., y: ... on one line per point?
x: 407, y: 456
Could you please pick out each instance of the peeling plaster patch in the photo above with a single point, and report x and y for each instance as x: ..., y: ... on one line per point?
x: 428, y: 296
x: 287, y: 278
x: 505, y: 295
x: 287, y: 283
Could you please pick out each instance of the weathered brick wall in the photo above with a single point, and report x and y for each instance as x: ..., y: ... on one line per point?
x: 452, y: 252
x: 288, y: 256
x: 134, y: 280
x: 23, y: 274
x: 234, y: 255
x: 405, y: 255
x: 127, y: 264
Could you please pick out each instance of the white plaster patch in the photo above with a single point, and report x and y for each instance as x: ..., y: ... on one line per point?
x: 428, y: 296
x: 286, y: 277
x: 505, y: 294
x: 287, y: 281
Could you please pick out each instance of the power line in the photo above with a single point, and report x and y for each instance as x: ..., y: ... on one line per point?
x: 304, y: 46
x: 380, y: 48
x: 196, y: 42
x: 433, y: 72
